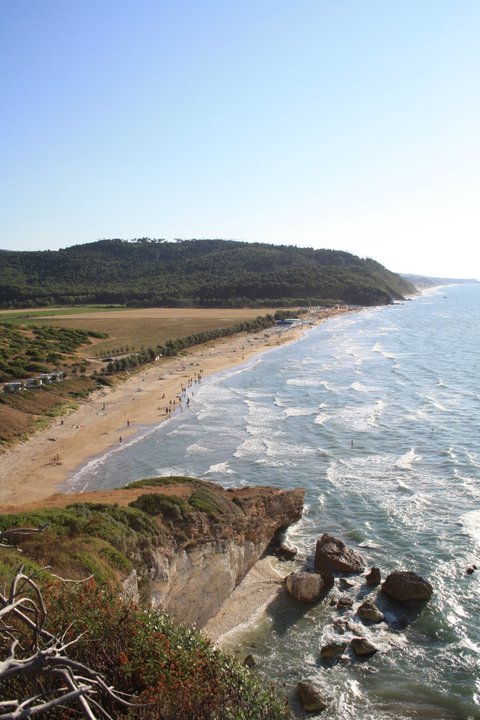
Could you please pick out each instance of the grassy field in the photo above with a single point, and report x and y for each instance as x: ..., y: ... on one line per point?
x: 130, y: 330
x: 33, y: 342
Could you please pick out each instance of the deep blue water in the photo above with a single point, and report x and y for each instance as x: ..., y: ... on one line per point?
x: 376, y: 415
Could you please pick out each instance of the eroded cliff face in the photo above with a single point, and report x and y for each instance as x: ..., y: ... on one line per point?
x: 191, y: 579
x: 185, y: 543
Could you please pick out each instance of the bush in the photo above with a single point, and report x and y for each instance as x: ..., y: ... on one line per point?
x: 146, y: 653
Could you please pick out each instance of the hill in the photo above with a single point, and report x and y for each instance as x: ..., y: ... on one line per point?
x: 203, y: 273
x: 423, y: 282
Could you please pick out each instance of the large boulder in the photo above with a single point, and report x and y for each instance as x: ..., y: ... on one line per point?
x: 407, y: 587
x: 374, y: 577
x: 331, y: 554
x: 312, y: 699
x: 333, y: 649
x: 362, y: 647
x: 370, y: 612
x: 305, y: 586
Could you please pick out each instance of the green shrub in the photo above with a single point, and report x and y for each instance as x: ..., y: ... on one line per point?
x: 146, y: 653
x: 169, y: 506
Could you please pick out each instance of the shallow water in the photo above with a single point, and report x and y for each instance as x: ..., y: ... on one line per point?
x: 375, y: 414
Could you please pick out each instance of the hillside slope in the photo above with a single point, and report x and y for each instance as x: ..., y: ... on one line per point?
x: 193, y: 272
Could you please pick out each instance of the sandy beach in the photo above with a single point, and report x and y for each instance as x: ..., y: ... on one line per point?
x: 32, y: 471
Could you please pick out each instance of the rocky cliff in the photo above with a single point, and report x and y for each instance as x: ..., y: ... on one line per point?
x: 211, y: 550
x: 178, y: 543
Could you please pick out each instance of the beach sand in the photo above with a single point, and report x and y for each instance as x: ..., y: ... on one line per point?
x: 248, y: 602
x: 34, y: 470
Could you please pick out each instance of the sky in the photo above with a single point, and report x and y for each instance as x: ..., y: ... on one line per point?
x: 343, y: 124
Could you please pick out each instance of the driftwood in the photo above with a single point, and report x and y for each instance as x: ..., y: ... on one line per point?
x: 28, y: 650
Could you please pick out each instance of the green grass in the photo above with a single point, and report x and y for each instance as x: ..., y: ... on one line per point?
x: 162, y: 481
x: 20, y: 316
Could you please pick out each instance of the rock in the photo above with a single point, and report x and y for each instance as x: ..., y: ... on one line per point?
x: 305, y: 586
x: 333, y: 649
x: 406, y: 586
x: 333, y: 555
x: 312, y: 699
x: 285, y: 552
x: 370, y: 612
x: 344, y: 602
x: 471, y: 569
x: 340, y: 626
x: 346, y: 584
x: 373, y: 577
x: 249, y: 661
x: 361, y: 646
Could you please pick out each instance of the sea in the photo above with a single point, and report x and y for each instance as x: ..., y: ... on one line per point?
x: 376, y: 414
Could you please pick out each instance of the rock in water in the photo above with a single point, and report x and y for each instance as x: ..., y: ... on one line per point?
x: 373, y: 577
x: 344, y: 602
x: 249, y: 661
x: 407, y: 587
x: 333, y: 555
x: 285, y: 552
x: 305, y: 586
x: 312, y: 699
x: 370, y: 612
x: 333, y: 649
x: 361, y: 646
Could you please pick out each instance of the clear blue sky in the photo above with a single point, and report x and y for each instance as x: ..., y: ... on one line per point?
x: 349, y: 124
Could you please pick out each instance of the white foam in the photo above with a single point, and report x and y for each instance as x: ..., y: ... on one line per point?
x: 252, y: 447
x: 196, y: 448
x: 222, y: 468
x: 406, y: 460
x: 471, y: 523
x: 298, y: 411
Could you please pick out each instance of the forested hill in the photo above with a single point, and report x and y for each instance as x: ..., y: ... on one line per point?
x: 193, y: 272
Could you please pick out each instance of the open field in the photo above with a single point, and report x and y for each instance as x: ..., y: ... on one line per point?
x: 132, y: 329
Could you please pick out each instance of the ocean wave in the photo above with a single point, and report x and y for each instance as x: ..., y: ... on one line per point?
x: 196, y: 448
x: 298, y: 411
x: 222, y: 468
x: 321, y: 418
x: 406, y: 460
x: 252, y: 447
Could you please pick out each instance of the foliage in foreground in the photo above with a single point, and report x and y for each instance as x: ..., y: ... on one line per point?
x: 172, y: 669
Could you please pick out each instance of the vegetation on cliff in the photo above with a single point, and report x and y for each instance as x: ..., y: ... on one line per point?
x: 204, y: 273
x: 171, y: 669
x: 138, y: 651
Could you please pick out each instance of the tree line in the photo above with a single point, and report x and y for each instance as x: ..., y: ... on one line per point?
x: 203, y: 273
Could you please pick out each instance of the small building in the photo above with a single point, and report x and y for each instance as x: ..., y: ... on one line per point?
x: 34, y: 383
x: 13, y: 387
x: 288, y: 321
x: 46, y: 378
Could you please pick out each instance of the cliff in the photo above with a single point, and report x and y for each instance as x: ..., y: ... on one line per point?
x: 178, y: 543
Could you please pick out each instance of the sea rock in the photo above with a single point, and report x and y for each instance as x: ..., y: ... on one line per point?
x: 344, y: 602
x: 249, y: 661
x: 406, y: 586
x: 470, y: 569
x: 373, y: 577
x: 331, y: 554
x: 346, y: 583
x: 305, y: 586
x: 311, y: 697
x: 361, y: 646
x: 333, y: 649
x: 285, y: 552
x: 370, y: 612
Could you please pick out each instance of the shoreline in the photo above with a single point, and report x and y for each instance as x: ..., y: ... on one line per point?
x: 32, y: 471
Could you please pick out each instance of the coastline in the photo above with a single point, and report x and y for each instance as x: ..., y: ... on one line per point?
x: 32, y: 471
